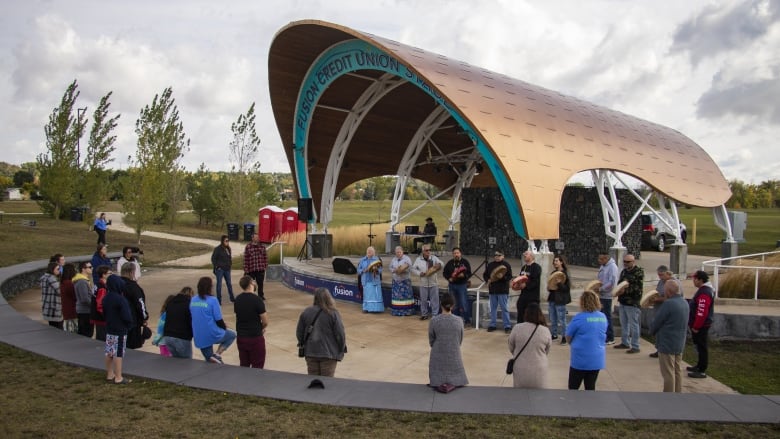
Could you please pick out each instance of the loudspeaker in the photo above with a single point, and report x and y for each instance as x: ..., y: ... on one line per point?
x: 485, y: 213
x: 490, y: 213
x: 343, y: 266
x: 305, y: 210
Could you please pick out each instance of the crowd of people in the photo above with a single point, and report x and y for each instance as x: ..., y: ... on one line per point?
x: 109, y: 304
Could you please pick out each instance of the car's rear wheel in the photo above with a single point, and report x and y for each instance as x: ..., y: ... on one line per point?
x: 661, y: 242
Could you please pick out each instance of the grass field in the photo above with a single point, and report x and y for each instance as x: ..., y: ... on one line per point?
x: 43, y: 398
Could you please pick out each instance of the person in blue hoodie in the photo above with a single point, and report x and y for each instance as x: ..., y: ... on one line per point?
x: 118, y: 320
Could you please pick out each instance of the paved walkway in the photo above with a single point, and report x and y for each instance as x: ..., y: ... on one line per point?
x: 393, y: 349
x: 386, y: 366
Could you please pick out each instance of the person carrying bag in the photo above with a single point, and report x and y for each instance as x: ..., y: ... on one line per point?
x: 510, y: 365
x: 309, y: 329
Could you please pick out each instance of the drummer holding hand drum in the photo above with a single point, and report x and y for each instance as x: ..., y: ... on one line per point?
x: 426, y: 266
x: 499, y: 272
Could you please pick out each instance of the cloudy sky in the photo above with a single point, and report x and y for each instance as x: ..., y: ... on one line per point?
x: 710, y: 69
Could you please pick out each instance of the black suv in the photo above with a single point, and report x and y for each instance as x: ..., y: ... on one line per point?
x: 656, y: 234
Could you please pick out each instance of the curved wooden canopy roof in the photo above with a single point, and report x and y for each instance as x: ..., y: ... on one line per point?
x: 534, y: 140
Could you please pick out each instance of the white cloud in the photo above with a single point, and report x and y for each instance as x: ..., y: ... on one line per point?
x: 708, y: 68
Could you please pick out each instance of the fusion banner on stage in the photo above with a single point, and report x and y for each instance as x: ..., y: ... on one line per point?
x: 340, y: 290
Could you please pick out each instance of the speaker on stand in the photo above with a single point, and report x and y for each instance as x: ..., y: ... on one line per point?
x: 305, y: 215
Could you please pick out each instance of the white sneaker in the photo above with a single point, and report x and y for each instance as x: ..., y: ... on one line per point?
x: 611, y: 342
x: 215, y: 360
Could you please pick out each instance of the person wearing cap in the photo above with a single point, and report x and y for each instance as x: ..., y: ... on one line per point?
x: 630, y: 298
x: 428, y: 229
x: 702, y: 309
x: 499, y: 291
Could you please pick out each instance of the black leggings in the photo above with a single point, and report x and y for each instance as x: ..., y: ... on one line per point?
x: 577, y: 376
x: 85, y: 326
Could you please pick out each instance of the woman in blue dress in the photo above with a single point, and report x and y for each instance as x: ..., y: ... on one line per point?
x: 370, y: 270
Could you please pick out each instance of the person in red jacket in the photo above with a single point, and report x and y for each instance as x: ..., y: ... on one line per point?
x: 702, y: 308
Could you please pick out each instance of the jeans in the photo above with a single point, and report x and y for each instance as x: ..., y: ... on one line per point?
x: 429, y: 294
x: 700, y: 341
x: 606, y: 308
x: 496, y: 301
x: 178, y: 347
x: 224, y: 343
x: 557, y: 317
x: 629, y: 325
x: 462, y: 304
x: 226, y: 275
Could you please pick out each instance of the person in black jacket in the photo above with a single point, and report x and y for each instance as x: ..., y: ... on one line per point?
x: 498, y: 287
x: 457, y: 271
x: 530, y: 293
x: 178, y: 324
x: 136, y: 298
x: 221, y: 260
x: 559, y: 295
x: 118, y: 321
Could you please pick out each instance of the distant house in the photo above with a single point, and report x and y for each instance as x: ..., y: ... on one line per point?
x: 12, y: 194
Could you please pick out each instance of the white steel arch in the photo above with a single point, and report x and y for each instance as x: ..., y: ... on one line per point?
x: 373, y: 94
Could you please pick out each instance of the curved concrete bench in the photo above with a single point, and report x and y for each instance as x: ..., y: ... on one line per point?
x: 19, y: 331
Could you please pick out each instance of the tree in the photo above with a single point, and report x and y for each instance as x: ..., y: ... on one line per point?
x: 23, y: 177
x: 96, y: 183
x: 58, y: 167
x: 241, y: 191
x: 155, y: 174
x: 202, y: 190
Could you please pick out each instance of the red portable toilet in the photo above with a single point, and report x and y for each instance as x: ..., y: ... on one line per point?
x: 290, y: 223
x: 267, y: 222
x: 278, y: 221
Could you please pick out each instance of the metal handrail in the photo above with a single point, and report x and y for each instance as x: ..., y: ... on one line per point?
x: 716, y: 264
x: 281, y: 249
x: 477, y: 290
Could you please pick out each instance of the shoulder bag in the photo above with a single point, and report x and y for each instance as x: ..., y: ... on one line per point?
x: 309, y: 329
x: 510, y: 365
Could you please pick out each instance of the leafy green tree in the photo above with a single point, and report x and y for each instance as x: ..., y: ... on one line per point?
x: 156, y: 169
x: 241, y: 191
x: 23, y: 177
x: 96, y: 183
x: 202, y: 191
x: 58, y: 167
x: 5, y: 182
x: 7, y: 169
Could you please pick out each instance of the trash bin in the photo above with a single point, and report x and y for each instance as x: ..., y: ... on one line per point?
x: 249, y: 230
x: 232, y: 231
x: 76, y: 214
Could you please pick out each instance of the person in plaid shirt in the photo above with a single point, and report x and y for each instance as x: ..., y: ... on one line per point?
x: 256, y: 262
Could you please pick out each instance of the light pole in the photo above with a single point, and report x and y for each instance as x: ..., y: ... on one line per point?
x: 79, y: 113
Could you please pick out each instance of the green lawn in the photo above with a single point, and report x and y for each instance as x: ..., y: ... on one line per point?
x: 704, y: 237
x: 43, y: 398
